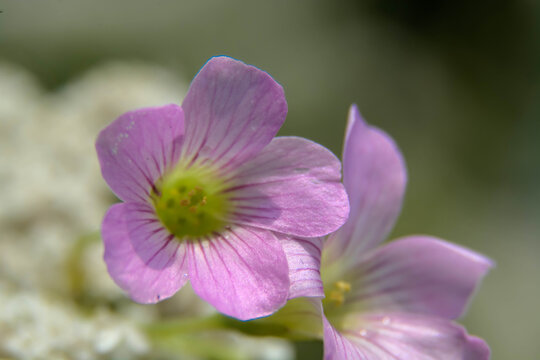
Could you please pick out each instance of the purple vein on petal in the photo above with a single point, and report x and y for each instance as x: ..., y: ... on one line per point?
x: 261, y: 168
x: 145, y: 211
x: 138, y: 184
x: 256, y: 208
x: 227, y: 131
x: 169, y: 262
x: 217, y: 253
x: 256, y: 197
x: 247, y: 198
x: 341, y: 341
x: 144, y: 224
x: 368, y: 343
x: 193, y: 262
x: 142, y: 171
x: 156, y: 164
x: 163, y: 166
x: 240, y: 216
x: 210, y: 124
x: 238, y: 136
x: 245, y: 243
x: 165, y: 244
x: 193, y: 134
x: 233, y: 283
x: 318, y: 249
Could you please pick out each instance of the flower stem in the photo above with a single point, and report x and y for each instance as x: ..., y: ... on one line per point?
x: 215, y: 322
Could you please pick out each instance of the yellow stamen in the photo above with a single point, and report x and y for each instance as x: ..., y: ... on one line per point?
x: 337, y: 297
x: 337, y: 294
x: 343, y: 286
x: 184, y: 202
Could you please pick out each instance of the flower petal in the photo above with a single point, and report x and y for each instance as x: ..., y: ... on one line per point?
x: 147, y: 279
x: 375, y: 176
x: 293, y: 187
x: 401, y: 336
x: 243, y: 272
x: 338, y: 347
x: 304, y: 259
x: 232, y: 111
x: 418, y: 274
x: 138, y: 147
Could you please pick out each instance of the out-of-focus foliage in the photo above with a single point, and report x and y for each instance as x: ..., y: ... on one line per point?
x: 456, y: 83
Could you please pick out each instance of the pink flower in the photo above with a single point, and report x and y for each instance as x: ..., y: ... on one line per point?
x: 210, y: 196
x: 395, y: 301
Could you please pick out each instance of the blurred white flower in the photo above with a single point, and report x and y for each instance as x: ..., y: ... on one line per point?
x: 52, y: 196
x: 37, y: 326
x: 50, y: 183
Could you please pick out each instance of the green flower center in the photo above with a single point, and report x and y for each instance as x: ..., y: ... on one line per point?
x: 335, y: 304
x: 191, y: 203
x: 335, y: 296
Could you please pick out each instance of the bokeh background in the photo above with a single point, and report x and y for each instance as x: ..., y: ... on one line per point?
x: 456, y: 83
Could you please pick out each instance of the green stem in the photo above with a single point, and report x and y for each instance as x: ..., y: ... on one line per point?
x: 299, y: 319
x: 216, y: 322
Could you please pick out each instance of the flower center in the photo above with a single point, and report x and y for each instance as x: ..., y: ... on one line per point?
x: 191, y: 203
x: 335, y: 303
x: 338, y: 292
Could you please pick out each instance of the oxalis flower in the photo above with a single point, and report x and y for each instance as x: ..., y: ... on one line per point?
x: 209, y: 196
x: 396, y: 301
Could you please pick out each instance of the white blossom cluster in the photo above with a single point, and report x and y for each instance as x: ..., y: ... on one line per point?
x: 52, y: 194
x: 35, y: 325
x: 50, y: 184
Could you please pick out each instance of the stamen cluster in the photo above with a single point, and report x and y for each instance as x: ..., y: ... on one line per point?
x: 190, y: 205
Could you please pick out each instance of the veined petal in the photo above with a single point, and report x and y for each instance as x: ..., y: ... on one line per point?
x: 232, y: 111
x: 375, y: 176
x: 148, y: 279
x: 293, y: 187
x: 243, y: 272
x: 138, y: 147
x: 397, y: 336
x: 417, y: 274
x: 304, y: 259
x: 338, y: 347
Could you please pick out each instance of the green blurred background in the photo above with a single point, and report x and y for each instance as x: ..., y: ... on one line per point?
x: 456, y: 83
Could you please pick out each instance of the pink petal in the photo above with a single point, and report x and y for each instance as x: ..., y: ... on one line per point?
x: 401, y: 336
x: 243, y: 272
x: 232, y: 111
x: 338, y: 347
x: 138, y: 147
x: 418, y: 274
x: 150, y: 278
x: 375, y: 179
x: 304, y: 259
x: 293, y: 187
